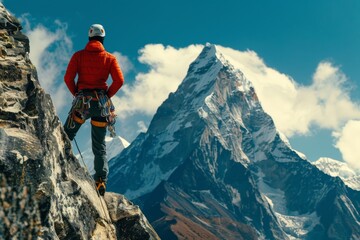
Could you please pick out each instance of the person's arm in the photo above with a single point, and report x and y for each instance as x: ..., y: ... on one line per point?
x: 117, y: 77
x: 70, y: 74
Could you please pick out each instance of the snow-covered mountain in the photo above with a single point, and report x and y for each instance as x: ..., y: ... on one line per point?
x: 44, y: 192
x: 336, y: 168
x: 212, y: 165
x: 114, y: 146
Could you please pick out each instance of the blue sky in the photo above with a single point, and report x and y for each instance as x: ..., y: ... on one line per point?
x: 310, y: 50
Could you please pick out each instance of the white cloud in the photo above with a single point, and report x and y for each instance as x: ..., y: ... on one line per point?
x: 50, y: 51
x: 348, y: 142
x: 295, y: 108
x: 61, y: 98
x: 167, y: 66
x: 142, y: 126
x: 124, y: 62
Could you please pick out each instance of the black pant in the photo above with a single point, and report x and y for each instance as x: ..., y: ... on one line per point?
x: 98, y: 134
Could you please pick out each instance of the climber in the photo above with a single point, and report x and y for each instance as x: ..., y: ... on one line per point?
x: 92, y: 97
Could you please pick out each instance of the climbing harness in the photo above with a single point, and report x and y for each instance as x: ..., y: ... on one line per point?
x: 80, y: 109
x: 97, y: 191
x: 107, y: 111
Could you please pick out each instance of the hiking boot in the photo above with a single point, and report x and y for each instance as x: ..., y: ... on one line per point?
x: 101, y: 187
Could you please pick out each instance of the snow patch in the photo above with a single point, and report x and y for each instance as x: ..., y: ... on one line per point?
x: 199, y: 204
x: 281, y: 157
x: 354, y: 213
x: 167, y: 148
x: 298, y: 226
x: 236, y: 196
x: 151, y: 175
x: 210, y: 104
x: 284, y: 138
x: 188, y: 125
x: 259, y: 156
x: 202, y: 221
x: 264, y: 135
x: 295, y: 225
x: 203, y: 113
x: 300, y: 154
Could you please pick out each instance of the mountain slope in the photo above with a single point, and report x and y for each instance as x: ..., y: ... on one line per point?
x: 44, y: 192
x: 213, y: 166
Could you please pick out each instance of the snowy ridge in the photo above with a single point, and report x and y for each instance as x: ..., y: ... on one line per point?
x: 336, y: 168
x: 204, y: 70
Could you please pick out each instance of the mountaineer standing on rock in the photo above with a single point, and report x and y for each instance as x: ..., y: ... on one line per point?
x: 92, y: 97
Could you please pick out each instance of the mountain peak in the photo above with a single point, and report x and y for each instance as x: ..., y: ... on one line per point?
x: 212, y: 153
x: 215, y: 100
x: 209, y: 53
x: 209, y: 69
x: 210, y: 49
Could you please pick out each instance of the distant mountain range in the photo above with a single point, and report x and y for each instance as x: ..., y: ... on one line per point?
x: 336, y: 168
x: 212, y: 165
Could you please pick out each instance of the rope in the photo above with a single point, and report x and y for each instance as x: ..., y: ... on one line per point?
x: 87, y: 170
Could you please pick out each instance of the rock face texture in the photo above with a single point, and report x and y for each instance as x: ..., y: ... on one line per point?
x: 44, y: 191
x: 212, y: 165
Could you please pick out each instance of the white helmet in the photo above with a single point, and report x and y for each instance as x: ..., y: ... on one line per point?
x: 96, y: 30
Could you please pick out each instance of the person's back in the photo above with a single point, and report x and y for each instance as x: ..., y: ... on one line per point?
x: 92, y: 97
x: 93, y: 65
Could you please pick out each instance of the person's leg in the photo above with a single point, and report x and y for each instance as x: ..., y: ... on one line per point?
x: 72, y: 125
x: 98, y: 133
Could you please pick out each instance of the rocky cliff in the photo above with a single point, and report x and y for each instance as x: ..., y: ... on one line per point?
x: 44, y: 191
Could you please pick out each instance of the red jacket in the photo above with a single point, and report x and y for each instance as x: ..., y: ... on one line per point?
x: 93, y: 66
